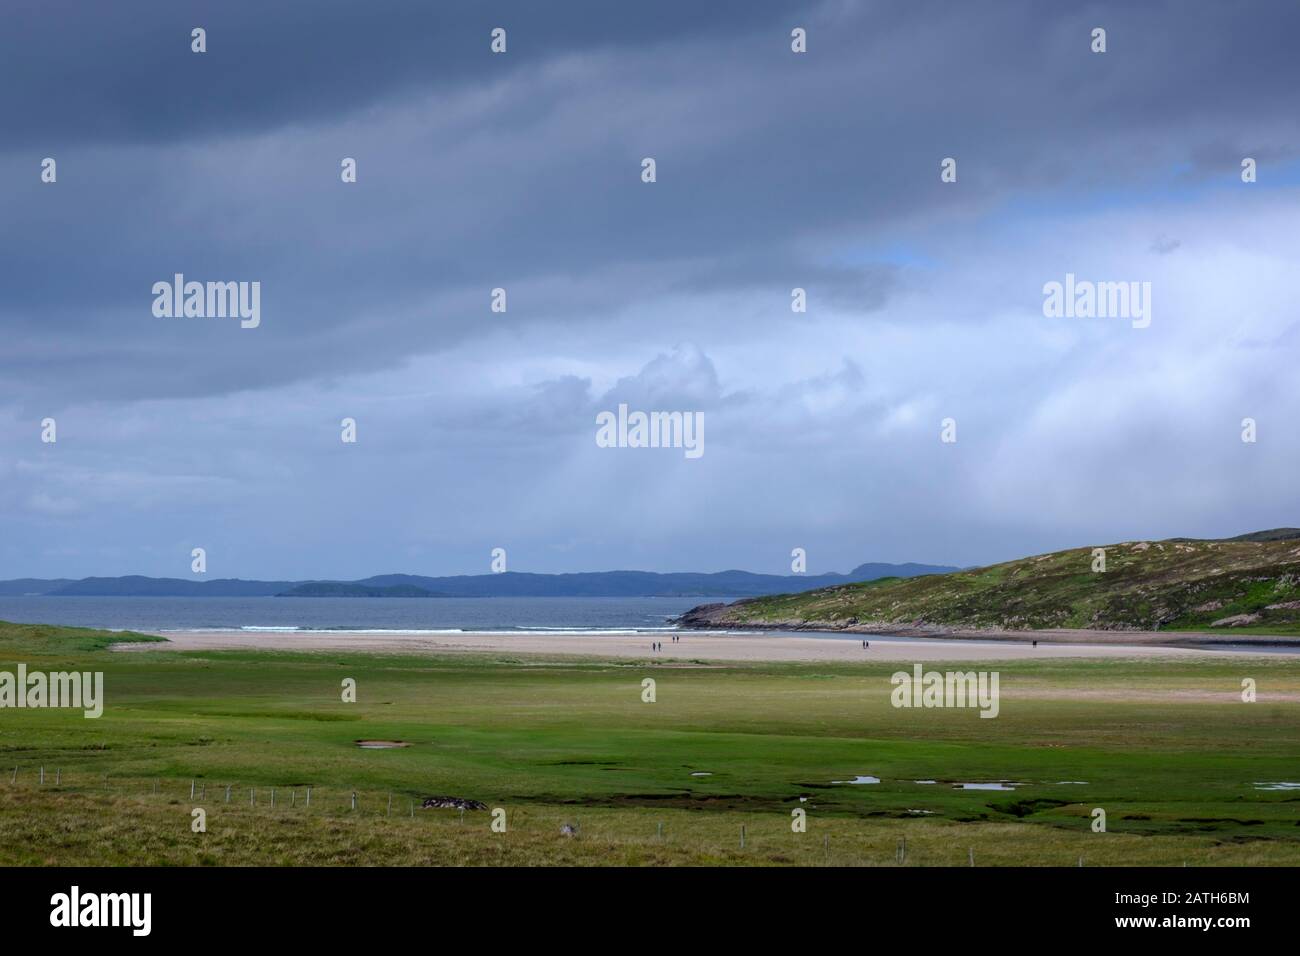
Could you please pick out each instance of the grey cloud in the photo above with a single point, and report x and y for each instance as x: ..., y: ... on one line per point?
x: 521, y: 171
x: 527, y: 175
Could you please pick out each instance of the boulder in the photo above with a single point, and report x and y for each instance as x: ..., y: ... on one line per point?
x: 1237, y: 620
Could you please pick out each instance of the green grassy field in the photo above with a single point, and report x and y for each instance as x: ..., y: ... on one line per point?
x: 1167, y: 748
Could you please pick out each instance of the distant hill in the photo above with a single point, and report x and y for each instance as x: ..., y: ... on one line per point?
x: 1277, y: 534
x: 509, y: 584
x: 134, y: 585
x: 20, y: 586
x: 350, y: 589
x: 1248, y: 584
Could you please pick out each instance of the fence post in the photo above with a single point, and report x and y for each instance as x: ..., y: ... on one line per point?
x: 227, y: 793
x: 191, y: 789
x: 354, y: 799
x: 42, y: 776
x: 273, y: 797
x: 252, y: 796
x: 58, y: 776
x: 308, y: 803
x: 742, y: 836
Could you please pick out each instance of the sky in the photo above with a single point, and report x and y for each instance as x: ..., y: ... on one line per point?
x: 523, y: 170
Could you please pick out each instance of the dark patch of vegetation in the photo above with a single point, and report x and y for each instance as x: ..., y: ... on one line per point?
x: 1023, y: 808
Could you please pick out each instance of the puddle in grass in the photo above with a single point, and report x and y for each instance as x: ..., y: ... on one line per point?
x: 1081, y: 783
x: 859, y: 780
x: 701, y: 773
x: 925, y: 781
x: 1277, y: 785
x: 381, y: 744
x: 1001, y: 785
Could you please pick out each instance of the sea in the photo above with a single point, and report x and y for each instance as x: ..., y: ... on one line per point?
x: 403, y: 615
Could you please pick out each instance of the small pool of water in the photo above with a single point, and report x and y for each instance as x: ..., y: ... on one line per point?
x: 859, y: 779
x: 1277, y: 785
x: 1001, y: 785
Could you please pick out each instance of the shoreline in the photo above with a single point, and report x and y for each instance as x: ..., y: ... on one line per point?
x: 1061, y: 635
x: 693, y: 645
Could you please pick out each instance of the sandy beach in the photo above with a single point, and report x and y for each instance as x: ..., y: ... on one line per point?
x: 691, y: 646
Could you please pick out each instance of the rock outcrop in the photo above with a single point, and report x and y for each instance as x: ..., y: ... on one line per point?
x: 451, y: 803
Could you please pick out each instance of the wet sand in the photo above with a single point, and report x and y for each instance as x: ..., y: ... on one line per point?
x: 691, y: 646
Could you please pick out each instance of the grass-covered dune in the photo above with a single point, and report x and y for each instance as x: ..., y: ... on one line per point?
x: 1184, y: 769
x: 1242, y: 585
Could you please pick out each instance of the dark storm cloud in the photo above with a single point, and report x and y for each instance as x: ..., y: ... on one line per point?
x: 78, y: 71
x: 522, y: 171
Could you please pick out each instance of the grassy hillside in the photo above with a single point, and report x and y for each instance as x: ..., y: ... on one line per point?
x: 40, y: 640
x: 1186, y: 771
x: 1250, y: 585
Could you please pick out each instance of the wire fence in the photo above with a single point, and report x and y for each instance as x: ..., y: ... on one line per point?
x: 286, y: 797
x: 343, y: 802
